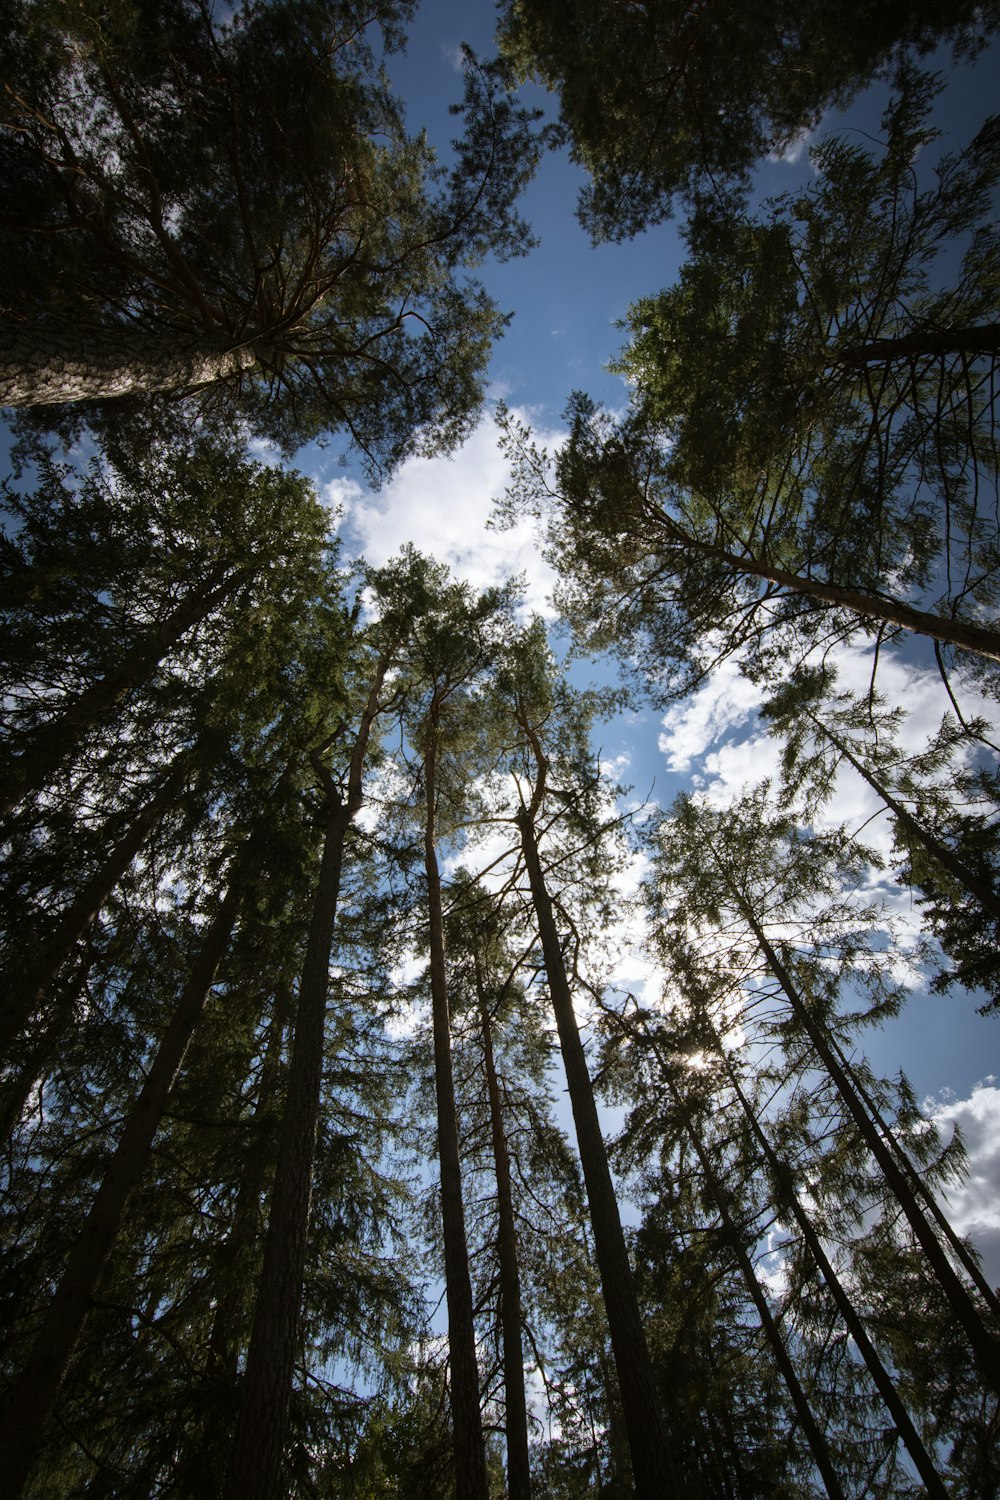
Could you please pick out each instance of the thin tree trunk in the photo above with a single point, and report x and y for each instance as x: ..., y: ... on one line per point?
x: 880, y: 1376
x: 44, y: 366
x: 961, y: 1250
x: 967, y: 637
x: 57, y: 739
x: 470, y: 1457
x: 34, y: 1396
x: 258, y: 1447
x: 518, y: 1462
x: 983, y: 339
x: 983, y: 893
x: 984, y: 1344
x: 652, y: 1465
x: 26, y: 988
x: 814, y: 1435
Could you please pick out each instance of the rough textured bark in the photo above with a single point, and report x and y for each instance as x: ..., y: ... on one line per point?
x: 652, y: 1466
x: 983, y: 893
x: 516, y: 1427
x: 56, y: 740
x: 985, y: 1344
x: 34, y: 1396
x: 818, y: 1446
x: 26, y: 989
x: 258, y: 1448
x: 467, y: 1424
x: 966, y: 637
x: 881, y: 1378
x: 43, y: 366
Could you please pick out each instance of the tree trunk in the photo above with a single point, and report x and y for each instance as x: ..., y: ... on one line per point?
x: 652, y: 1466
x: 26, y: 989
x: 818, y: 1446
x: 966, y: 637
x: 518, y: 1462
x: 973, y: 340
x: 470, y: 1457
x: 56, y: 740
x: 880, y: 1376
x: 961, y: 1250
x: 24, y: 1420
x: 258, y: 1447
x: 44, y: 366
x: 983, y: 893
x: 984, y: 1343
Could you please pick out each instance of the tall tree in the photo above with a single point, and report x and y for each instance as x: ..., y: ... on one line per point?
x: 232, y: 208
x: 670, y: 100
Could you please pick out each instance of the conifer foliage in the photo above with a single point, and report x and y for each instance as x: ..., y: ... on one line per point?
x: 337, y: 1161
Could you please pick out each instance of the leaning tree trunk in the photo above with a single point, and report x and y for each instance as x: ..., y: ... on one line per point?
x: 26, y: 1415
x: 881, y: 1378
x: 967, y: 637
x: 652, y: 1464
x: 258, y: 1447
x: 924, y: 343
x: 958, y: 1246
x: 56, y: 741
x: 471, y: 1481
x: 516, y: 1426
x: 38, y: 965
x: 815, y: 1437
x: 46, y: 366
x: 979, y: 889
x: 984, y: 1342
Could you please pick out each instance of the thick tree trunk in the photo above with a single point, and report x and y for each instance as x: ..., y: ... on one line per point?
x: 967, y: 637
x: 258, y: 1447
x: 983, y: 893
x: 25, y: 989
x: 57, y: 739
x: 44, y: 366
x: 985, y: 1344
x: 467, y: 1424
x: 984, y: 339
x: 880, y: 1376
x: 818, y: 1446
x: 518, y: 1462
x: 255, y: 1468
x: 28, y: 1410
x: 651, y: 1462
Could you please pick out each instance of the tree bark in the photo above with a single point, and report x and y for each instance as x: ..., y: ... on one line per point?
x: 984, y: 894
x: 56, y: 740
x: 982, y: 339
x: 471, y: 1481
x: 967, y: 637
x: 518, y: 1461
x: 26, y: 989
x: 44, y: 366
x: 880, y: 1376
x: 34, y: 1396
x: 652, y: 1464
x: 985, y: 1344
x: 258, y: 1447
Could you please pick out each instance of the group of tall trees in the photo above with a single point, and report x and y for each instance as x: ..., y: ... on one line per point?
x: 315, y: 891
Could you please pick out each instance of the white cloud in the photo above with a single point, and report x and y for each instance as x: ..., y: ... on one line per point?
x: 724, y: 702
x: 442, y: 506
x: 974, y: 1205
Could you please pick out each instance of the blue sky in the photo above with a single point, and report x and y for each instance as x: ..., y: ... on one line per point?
x: 566, y: 298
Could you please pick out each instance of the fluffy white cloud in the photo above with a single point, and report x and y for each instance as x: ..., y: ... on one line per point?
x: 724, y: 702
x: 442, y: 506
x: 974, y: 1205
